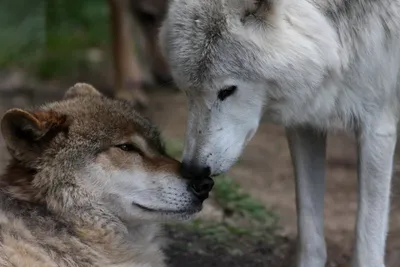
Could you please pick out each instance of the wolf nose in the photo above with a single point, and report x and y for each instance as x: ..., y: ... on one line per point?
x: 194, y: 172
x: 201, y: 188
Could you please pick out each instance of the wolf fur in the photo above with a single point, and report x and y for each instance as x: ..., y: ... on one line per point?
x: 309, y: 65
x: 88, y: 184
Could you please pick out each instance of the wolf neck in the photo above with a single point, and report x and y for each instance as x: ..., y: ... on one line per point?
x: 349, y: 7
x: 122, y: 245
x: 91, y: 224
x: 346, y: 13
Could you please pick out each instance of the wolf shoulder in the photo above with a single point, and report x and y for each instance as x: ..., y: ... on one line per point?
x: 364, y: 25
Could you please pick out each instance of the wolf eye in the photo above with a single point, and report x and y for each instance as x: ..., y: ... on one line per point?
x: 227, y: 92
x: 129, y: 148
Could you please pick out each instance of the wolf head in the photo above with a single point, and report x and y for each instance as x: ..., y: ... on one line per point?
x: 88, y: 149
x: 236, y: 58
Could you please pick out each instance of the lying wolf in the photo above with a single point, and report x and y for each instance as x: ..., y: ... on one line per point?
x: 310, y: 65
x: 87, y: 185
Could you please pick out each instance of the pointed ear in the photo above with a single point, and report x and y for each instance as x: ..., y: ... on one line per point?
x: 81, y: 90
x: 25, y: 133
x: 263, y: 9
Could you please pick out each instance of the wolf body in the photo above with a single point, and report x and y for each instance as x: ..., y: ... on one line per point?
x: 88, y: 184
x: 312, y: 66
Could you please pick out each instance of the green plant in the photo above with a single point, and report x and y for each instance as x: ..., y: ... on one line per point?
x: 51, y: 37
x: 234, y: 200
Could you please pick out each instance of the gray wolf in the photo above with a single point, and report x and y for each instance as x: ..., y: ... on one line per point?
x: 88, y: 184
x: 312, y: 66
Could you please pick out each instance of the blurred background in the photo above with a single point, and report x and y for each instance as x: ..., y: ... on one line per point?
x: 47, y: 46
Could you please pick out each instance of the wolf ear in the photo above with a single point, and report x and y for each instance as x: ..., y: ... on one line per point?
x: 81, y: 90
x: 263, y: 9
x: 25, y: 133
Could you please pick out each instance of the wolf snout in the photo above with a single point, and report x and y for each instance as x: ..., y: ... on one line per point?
x: 201, y: 188
x: 199, y: 181
x: 194, y: 172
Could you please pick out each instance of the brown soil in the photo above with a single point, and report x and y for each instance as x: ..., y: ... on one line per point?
x: 188, y: 248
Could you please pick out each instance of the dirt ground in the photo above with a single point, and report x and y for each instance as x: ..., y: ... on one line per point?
x: 264, y: 171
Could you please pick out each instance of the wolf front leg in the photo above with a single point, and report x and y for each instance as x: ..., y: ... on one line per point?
x: 376, y: 146
x: 308, y: 148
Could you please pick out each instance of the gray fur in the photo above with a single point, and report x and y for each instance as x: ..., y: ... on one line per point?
x: 306, y: 64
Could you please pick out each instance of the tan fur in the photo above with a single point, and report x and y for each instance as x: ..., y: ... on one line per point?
x: 71, y: 196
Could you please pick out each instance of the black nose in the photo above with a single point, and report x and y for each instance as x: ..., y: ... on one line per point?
x: 201, y: 188
x: 194, y: 172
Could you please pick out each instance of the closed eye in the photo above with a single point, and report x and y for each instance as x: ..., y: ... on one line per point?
x: 129, y: 148
x: 227, y: 92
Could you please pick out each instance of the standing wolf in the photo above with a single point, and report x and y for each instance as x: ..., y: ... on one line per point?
x: 310, y: 65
